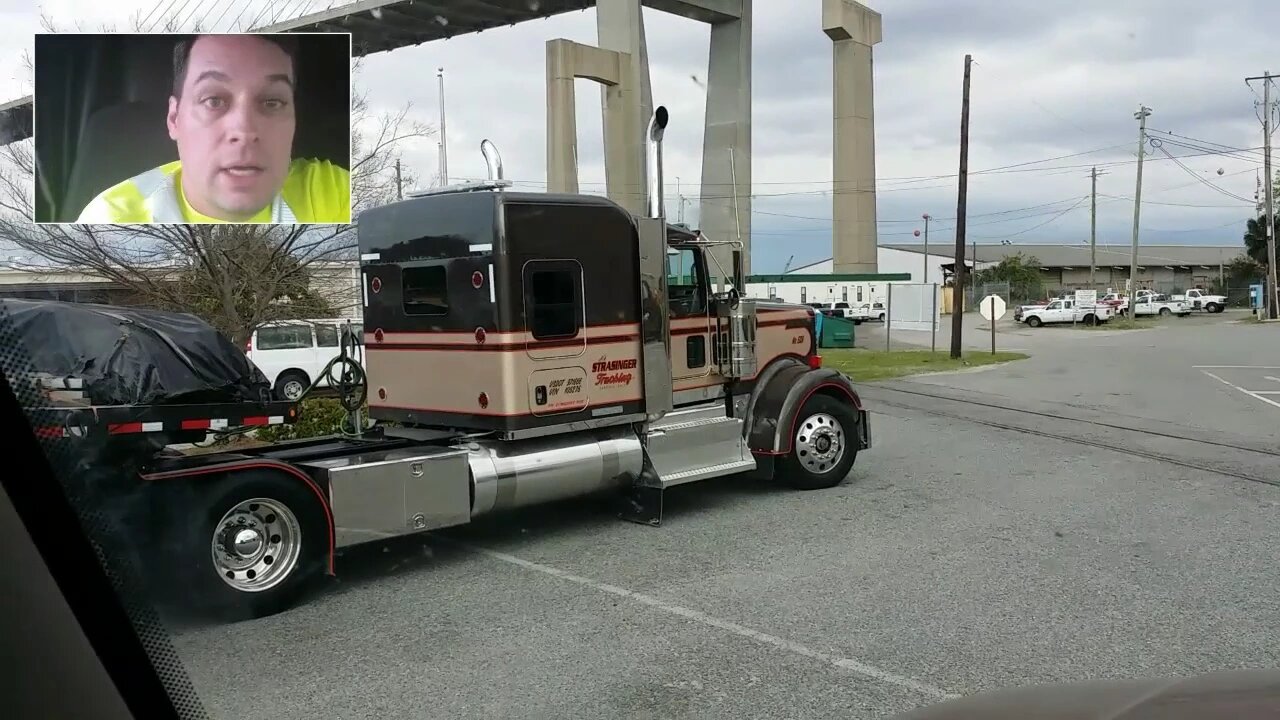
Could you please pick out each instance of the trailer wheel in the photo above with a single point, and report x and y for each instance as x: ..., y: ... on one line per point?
x: 255, y: 545
x: 1034, y: 321
x: 822, y: 445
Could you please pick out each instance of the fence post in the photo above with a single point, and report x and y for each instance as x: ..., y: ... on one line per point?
x: 933, y: 321
x: 888, y: 317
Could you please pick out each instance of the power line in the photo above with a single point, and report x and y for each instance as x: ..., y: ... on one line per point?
x: 1159, y: 145
x: 1038, y: 225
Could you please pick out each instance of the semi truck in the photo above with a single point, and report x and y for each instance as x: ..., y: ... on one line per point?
x: 519, y: 348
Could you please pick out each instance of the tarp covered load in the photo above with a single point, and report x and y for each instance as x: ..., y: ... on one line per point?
x: 128, y: 356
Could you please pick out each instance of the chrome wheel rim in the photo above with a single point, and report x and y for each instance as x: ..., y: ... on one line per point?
x: 820, y: 443
x: 292, y: 390
x: 256, y: 545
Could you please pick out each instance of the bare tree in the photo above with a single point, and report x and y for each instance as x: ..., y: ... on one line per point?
x: 236, y: 277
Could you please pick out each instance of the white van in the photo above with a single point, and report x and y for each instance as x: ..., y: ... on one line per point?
x: 293, y: 353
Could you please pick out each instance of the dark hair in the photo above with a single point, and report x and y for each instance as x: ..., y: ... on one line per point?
x: 182, y: 55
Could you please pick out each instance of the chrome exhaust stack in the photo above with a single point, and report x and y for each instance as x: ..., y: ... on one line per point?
x: 492, y: 159
x: 653, y: 163
x: 655, y: 323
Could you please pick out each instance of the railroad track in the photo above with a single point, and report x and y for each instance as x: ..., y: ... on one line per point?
x: 873, y: 390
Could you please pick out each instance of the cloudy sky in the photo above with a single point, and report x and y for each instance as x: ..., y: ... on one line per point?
x: 1055, y: 86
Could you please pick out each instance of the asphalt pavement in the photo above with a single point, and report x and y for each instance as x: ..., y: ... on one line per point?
x: 1163, y: 371
x: 958, y: 557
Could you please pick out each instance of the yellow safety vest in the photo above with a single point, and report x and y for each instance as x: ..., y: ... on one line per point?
x: 315, y: 191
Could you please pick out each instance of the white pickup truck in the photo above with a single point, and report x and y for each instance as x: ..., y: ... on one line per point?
x: 857, y: 312
x: 1152, y: 304
x: 839, y: 309
x: 1066, y: 311
x: 1199, y: 299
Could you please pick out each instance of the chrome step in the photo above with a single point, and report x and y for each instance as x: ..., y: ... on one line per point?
x: 697, y: 445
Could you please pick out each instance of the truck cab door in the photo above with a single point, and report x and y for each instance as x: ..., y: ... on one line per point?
x: 1052, y: 312
x: 689, y: 304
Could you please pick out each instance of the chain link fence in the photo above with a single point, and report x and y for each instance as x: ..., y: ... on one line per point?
x: 1237, y: 296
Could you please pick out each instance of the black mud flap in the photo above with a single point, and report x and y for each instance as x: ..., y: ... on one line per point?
x: 642, y: 501
x: 864, y: 430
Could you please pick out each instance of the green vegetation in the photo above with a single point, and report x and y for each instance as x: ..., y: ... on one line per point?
x: 1021, y: 272
x: 867, y: 365
x: 317, y: 417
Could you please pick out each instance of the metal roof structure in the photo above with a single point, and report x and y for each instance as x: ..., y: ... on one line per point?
x: 1063, y: 256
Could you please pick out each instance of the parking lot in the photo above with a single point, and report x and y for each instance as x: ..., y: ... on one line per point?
x: 1102, y: 509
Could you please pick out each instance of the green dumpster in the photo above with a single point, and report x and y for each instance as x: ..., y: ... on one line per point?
x: 835, y: 332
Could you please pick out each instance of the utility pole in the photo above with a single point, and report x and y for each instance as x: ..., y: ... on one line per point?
x: 1141, y: 115
x: 1093, y: 228
x: 679, y: 202
x: 1273, y: 297
x: 444, y: 144
x: 399, y: 184
x: 957, y: 309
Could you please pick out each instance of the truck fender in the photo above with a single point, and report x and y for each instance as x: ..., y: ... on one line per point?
x: 780, y: 393
x: 282, y: 468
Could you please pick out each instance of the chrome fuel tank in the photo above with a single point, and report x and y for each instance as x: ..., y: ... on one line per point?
x: 508, y: 475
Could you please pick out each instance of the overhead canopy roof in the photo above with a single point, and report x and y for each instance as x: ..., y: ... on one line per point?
x: 15, y: 120
x: 384, y: 25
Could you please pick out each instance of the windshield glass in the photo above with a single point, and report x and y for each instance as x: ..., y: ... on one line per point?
x: 384, y: 358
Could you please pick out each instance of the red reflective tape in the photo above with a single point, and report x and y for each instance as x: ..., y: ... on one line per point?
x: 48, y: 432
x: 260, y: 420
x: 196, y: 424
x: 122, y: 428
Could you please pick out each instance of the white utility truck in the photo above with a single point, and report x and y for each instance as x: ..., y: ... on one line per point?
x: 1066, y: 311
x: 1201, y: 300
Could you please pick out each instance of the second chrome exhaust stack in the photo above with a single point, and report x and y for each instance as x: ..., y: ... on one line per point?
x: 653, y: 163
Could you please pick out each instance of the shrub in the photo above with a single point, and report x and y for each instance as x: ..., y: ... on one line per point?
x: 316, y: 417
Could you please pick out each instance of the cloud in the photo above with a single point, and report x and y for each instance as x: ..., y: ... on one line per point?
x: 1050, y: 79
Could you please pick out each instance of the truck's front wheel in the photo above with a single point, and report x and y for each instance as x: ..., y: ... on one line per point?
x: 1212, y: 308
x: 1034, y: 321
x: 258, y: 542
x: 822, y: 445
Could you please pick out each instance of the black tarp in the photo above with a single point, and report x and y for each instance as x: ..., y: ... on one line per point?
x: 129, y: 356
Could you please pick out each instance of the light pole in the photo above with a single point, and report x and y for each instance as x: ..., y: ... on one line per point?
x: 926, y: 247
x: 916, y: 232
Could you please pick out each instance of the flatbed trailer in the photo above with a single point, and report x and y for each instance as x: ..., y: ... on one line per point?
x: 508, y: 363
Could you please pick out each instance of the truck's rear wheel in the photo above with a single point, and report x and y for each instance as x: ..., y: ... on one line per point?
x: 255, y: 545
x: 1090, y: 319
x: 1034, y: 321
x: 822, y: 445
x: 1166, y: 312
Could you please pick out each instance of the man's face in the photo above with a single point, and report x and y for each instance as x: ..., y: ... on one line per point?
x: 234, y: 125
